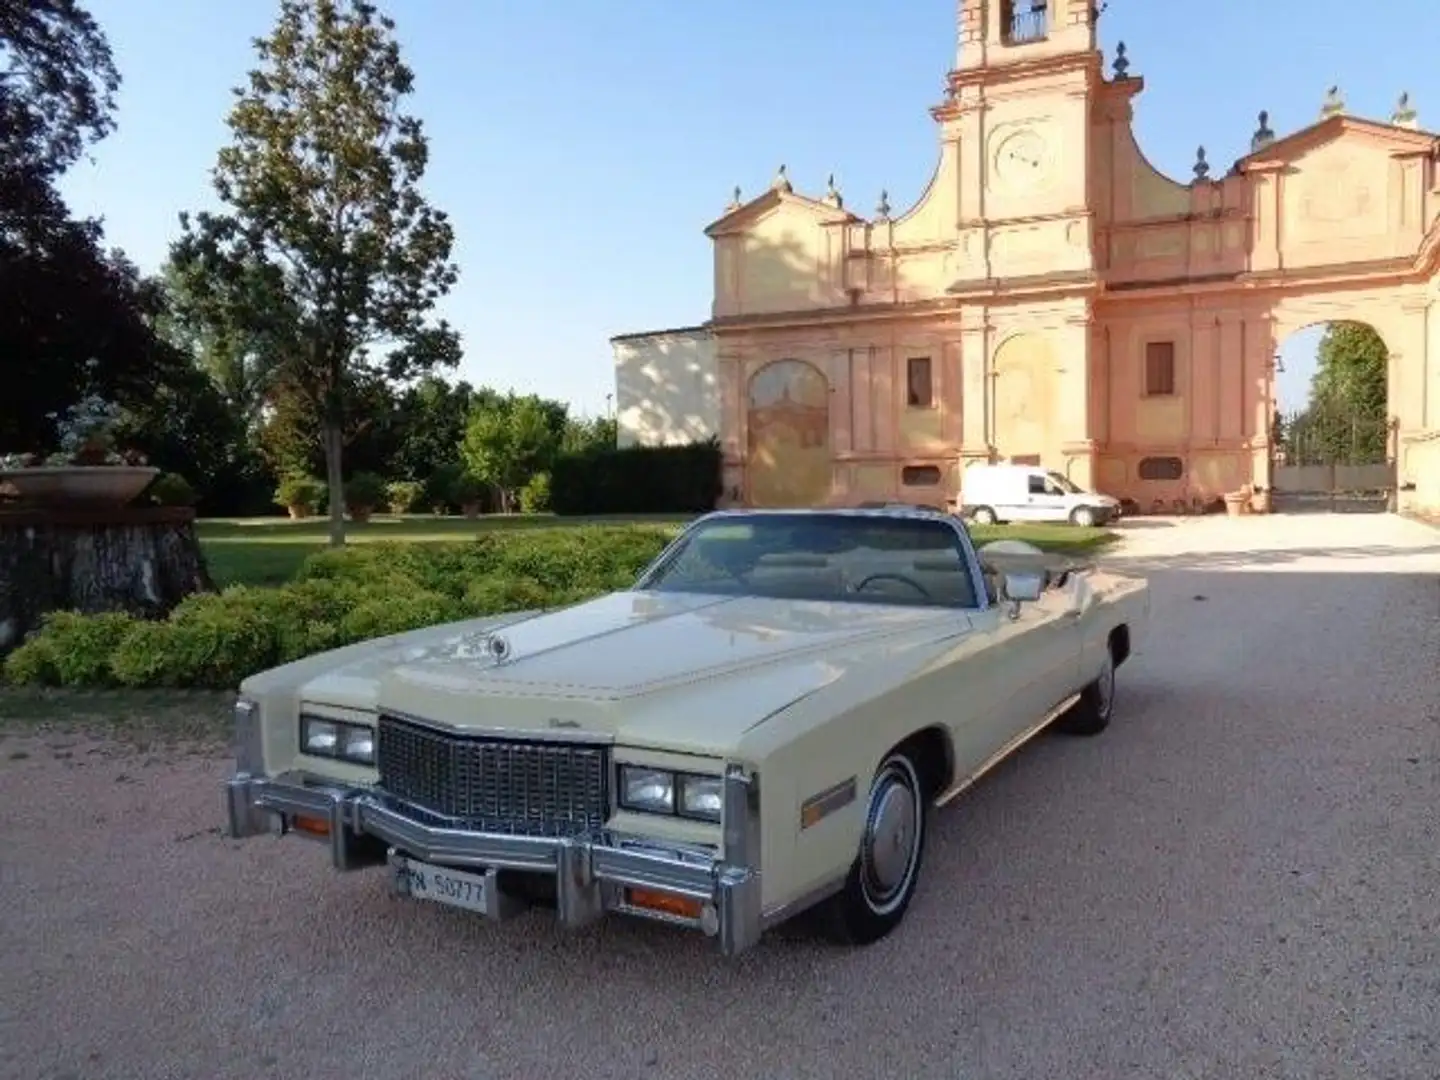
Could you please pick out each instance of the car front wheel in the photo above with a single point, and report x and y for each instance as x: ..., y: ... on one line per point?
x: 1083, y: 516
x: 1091, y: 714
x: 983, y: 515
x: 883, y: 877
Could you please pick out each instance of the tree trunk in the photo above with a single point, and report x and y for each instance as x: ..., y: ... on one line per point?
x: 335, y: 480
x: 141, y: 561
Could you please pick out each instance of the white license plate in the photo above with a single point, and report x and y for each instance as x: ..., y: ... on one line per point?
x: 445, y: 886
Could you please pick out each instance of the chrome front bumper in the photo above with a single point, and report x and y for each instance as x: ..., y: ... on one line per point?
x: 592, y: 874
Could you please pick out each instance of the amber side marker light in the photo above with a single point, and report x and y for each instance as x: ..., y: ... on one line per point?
x: 311, y: 826
x: 680, y: 906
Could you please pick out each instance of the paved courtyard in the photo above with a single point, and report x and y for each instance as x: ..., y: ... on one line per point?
x: 1240, y: 879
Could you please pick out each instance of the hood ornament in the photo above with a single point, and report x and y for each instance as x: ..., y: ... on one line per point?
x: 497, y: 646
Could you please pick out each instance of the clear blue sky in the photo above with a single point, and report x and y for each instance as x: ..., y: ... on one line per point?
x: 581, y: 146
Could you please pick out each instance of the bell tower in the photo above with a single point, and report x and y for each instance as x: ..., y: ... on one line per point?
x: 1017, y: 120
x: 994, y: 33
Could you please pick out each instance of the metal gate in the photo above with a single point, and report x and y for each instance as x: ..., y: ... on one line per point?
x: 1333, y: 464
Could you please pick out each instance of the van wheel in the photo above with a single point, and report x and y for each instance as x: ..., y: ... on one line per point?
x: 1082, y: 516
x: 983, y: 515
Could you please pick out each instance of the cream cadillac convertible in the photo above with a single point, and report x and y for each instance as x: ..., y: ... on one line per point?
x: 761, y: 725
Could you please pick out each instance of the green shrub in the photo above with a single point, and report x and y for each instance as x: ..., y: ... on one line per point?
x: 365, y: 490
x: 340, y: 596
x: 467, y: 490
x: 439, y: 488
x: 171, y: 489
x: 638, y: 480
x: 301, y: 492
x: 404, y: 496
x: 535, y: 495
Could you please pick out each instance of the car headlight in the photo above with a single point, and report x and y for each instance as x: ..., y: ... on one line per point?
x: 337, y: 739
x: 663, y: 791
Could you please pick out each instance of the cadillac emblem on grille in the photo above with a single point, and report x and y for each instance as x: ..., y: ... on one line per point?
x: 531, y: 788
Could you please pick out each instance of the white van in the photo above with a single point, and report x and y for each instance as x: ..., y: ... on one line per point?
x: 991, y: 493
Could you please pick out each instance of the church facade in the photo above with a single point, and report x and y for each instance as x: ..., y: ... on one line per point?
x: 1052, y: 298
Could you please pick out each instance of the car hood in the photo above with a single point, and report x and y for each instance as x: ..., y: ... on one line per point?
x: 673, y: 671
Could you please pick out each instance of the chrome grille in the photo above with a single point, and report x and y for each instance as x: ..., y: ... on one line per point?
x: 495, y: 785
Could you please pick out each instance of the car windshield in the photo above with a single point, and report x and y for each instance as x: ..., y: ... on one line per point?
x: 1063, y: 482
x: 848, y: 558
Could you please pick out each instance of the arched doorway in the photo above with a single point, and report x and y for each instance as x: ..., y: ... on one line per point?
x: 788, y: 435
x: 1332, y: 436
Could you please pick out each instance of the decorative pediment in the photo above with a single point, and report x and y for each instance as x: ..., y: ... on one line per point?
x: 1370, y: 134
x: 741, y: 216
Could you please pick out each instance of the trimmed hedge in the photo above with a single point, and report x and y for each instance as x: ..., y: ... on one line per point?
x: 638, y: 480
x: 214, y: 640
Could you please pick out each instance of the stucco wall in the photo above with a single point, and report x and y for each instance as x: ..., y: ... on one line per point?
x: 666, y: 388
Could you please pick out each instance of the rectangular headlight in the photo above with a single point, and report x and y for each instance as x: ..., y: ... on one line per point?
x: 337, y: 739
x: 650, y: 790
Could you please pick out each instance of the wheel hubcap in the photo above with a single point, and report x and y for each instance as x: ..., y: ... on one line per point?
x: 890, y: 840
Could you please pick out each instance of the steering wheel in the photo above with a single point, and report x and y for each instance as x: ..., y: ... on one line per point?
x: 896, y: 577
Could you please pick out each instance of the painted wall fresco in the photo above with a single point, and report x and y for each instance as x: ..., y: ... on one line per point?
x: 788, y: 435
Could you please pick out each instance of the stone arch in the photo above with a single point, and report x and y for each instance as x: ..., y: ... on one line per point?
x: 1320, y: 457
x: 787, y: 428
x: 1022, y: 401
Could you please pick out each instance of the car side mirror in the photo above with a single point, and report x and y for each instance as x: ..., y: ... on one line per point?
x: 1021, y: 588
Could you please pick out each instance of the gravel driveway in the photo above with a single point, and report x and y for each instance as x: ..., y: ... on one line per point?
x: 1240, y: 879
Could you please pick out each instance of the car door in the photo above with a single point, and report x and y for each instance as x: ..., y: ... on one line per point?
x: 1035, y: 657
x: 1045, y: 501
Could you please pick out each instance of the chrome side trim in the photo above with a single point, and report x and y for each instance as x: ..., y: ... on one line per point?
x: 1005, y: 751
x: 780, y: 913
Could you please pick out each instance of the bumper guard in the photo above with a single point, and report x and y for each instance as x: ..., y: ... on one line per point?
x: 592, y: 872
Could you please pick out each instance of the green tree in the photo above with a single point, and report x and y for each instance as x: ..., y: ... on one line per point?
x: 326, y: 251
x: 1346, y: 417
x: 509, y: 440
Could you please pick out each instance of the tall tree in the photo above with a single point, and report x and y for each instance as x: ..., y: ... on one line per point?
x: 508, y: 440
x: 63, y: 299
x: 327, y: 251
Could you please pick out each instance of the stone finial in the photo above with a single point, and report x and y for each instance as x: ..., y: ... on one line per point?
x: 781, y: 182
x: 1263, y: 135
x: 832, y: 194
x: 1202, y: 167
x: 1334, y: 103
x: 734, y: 200
x: 882, y: 211
x: 1121, y: 64
x: 1405, y: 115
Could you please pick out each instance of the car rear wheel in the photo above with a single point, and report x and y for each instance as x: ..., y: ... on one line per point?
x: 1091, y: 714
x: 983, y: 515
x: 1082, y: 516
x: 883, y: 877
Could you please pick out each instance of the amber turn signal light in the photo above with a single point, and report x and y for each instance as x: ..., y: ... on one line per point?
x: 682, y: 907
x: 311, y: 826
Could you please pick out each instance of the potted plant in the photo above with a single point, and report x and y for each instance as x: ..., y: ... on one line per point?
x: 1236, y: 502
x: 299, y: 494
x: 363, y: 492
x: 1260, y: 501
x: 87, y: 469
x: 468, y: 493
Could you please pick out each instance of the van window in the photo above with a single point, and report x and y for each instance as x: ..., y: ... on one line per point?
x: 1037, y: 484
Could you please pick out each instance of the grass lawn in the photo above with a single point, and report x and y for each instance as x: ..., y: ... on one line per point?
x: 269, y: 551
